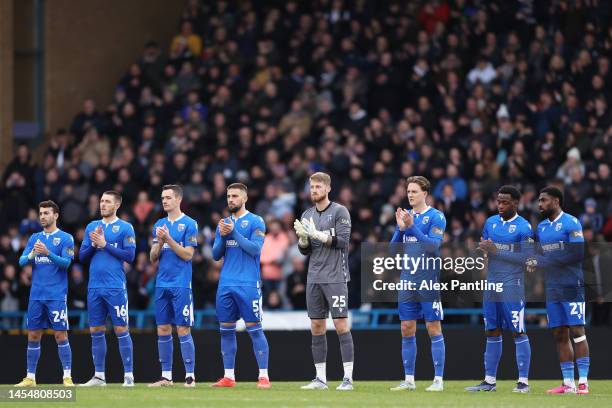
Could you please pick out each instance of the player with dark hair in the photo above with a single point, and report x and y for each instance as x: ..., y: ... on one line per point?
x: 50, y: 252
x: 238, y: 240
x: 506, y: 238
x: 108, y: 243
x: 561, y: 241
x: 421, y: 230
x: 175, y: 238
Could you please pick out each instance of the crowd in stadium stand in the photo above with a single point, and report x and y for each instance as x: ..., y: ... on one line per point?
x: 471, y: 94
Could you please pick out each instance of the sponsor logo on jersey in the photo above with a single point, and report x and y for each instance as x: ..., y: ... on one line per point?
x: 70, y: 251
x: 115, y: 229
x: 345, y: 221
x: 244, y: 223
x: 181, y: 227
x: 558, y: 227
x: 193, y: 239
x: 437, y: 231
x: 260, y: 233
x: 512, y: 228
x: 42, y: 260
x: 131, y: 240
x: 577, y: 234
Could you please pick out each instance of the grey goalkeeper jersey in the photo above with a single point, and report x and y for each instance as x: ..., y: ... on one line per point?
x: 329, y: 264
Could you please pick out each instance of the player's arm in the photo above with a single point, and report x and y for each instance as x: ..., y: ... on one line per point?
x: 527, y: 248
x: 65, y: 258
x: 433, y: 238
x: 251, y: 245
x: 127, y: 252
x: 218, y: 249
x: 190, y: 241
x: 341, y: 234
x: 572, y: 253
x: 155, y: 247
x: 398, y: 235
x: 86, y: 250
x: 28, y: 254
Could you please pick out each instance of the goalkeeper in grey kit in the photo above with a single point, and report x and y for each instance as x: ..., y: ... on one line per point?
x: 324, y: 233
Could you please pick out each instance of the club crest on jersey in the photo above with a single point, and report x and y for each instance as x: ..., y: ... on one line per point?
x: 558, y: 227
x: 244, y: 223
x: 329, y: 217
x: 512, y: 228
x: 494, y: 225
x: 425, y: 220
x: 115, y: 229
x: 181, y: 227
x: 56, y: 241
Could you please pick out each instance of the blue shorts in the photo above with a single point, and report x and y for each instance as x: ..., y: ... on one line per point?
x: 174, y: 306
x: 43, y: 314
x: 102, y: 302
x: 429, y: 311
x: 565, y: 313
x: 234, y: 302
x: 504, y: 315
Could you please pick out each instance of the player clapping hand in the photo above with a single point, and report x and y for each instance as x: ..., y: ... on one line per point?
x: 225, y: 227
x: 97, y: 237
x: 40, y: 248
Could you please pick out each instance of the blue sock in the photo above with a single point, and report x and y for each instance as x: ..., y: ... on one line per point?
x: 260, y: 345
x: 65, y: 354
x: 33, y: 355
x: 567, y: 369
x: 492, y: 355
x: 409, y: 350
x: 126, y: 351
x: 438, y: 351
x: 523, y: 355
x: 98, y: 350
x: 583, y: 367
x: 165, y: 350
x: 188, y: 353
x: 228, y: 346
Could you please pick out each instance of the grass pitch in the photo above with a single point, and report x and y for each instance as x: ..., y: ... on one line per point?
x: 366, y: 394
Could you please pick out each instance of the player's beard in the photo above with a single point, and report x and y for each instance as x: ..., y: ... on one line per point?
x: 317, y: 199
x: 234, y: 209
x: 546, y: 213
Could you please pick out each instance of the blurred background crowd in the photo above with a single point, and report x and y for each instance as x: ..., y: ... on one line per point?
x: 470, y: 94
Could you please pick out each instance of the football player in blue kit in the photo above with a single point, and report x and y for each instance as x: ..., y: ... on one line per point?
x: 421, y: 229
x: 175, y: 238
x: 238, y: 240
x: 107, y: 244
x: 506, y: 238
x: 561, y: 241
x: 50, y: 253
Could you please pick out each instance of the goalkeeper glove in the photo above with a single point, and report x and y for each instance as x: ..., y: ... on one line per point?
x: 312, y: 231
x: 301, y: 233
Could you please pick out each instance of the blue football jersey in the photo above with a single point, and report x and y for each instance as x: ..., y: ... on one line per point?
x: 431, y: 223
x: 105, y: 270
x: 49, y: 281
x: 561, y: 236
x: 513, y: 235
x: 173, y: 271
x: 240, y: 268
